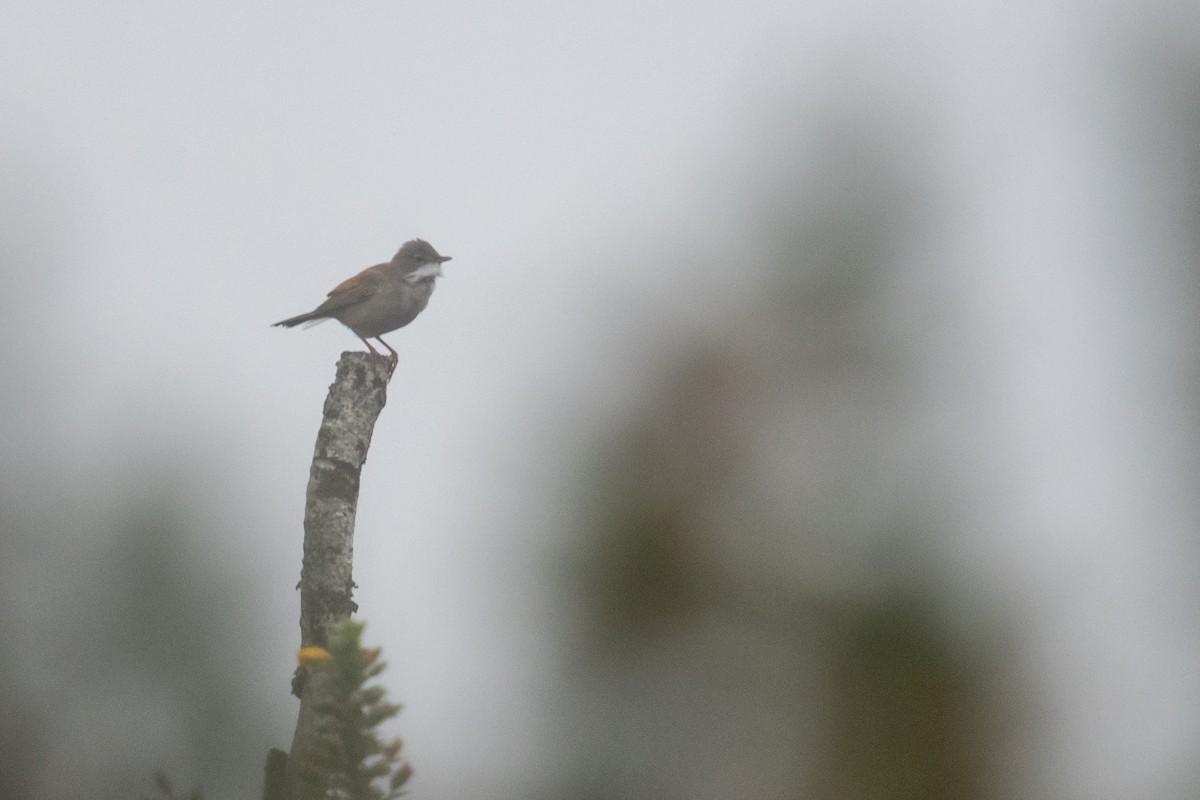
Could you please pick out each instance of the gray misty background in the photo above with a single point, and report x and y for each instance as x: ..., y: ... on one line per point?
x: 809, y: 409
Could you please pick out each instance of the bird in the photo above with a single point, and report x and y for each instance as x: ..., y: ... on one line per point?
x: 382, y: 298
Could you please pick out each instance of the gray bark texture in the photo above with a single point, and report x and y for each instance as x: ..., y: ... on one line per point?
x: 353, y: 404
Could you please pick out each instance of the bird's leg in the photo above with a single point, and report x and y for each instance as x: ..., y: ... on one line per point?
x: 374, y: 352
x: 395, y: 355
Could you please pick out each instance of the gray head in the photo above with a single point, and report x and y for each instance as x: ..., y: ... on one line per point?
x: 417, y: 252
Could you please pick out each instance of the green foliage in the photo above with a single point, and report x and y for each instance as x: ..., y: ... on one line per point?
x: 356, y: 764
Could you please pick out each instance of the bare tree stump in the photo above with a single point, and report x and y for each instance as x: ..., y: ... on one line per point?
x: 353, y: 404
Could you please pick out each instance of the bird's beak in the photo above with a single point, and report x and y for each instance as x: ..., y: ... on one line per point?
x: 444, y: 259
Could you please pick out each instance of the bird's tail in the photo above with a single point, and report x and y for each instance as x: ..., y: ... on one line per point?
x: 311, y: 317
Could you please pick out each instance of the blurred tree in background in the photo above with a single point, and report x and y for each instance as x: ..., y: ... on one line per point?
x: 763, y: 616
x: 134, y: 655
x: 130, y: 640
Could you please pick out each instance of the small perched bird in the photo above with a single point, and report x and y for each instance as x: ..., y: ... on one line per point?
x: 381, y: 298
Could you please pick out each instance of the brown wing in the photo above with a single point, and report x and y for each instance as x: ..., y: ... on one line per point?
x: 353, y: 290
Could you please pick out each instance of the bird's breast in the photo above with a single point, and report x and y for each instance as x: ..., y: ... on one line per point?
x: 392, y: 306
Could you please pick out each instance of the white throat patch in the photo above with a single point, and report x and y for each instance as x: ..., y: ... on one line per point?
x: 427, y: 270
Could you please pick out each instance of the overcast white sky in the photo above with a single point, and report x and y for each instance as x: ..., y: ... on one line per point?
x: 190, y: 174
